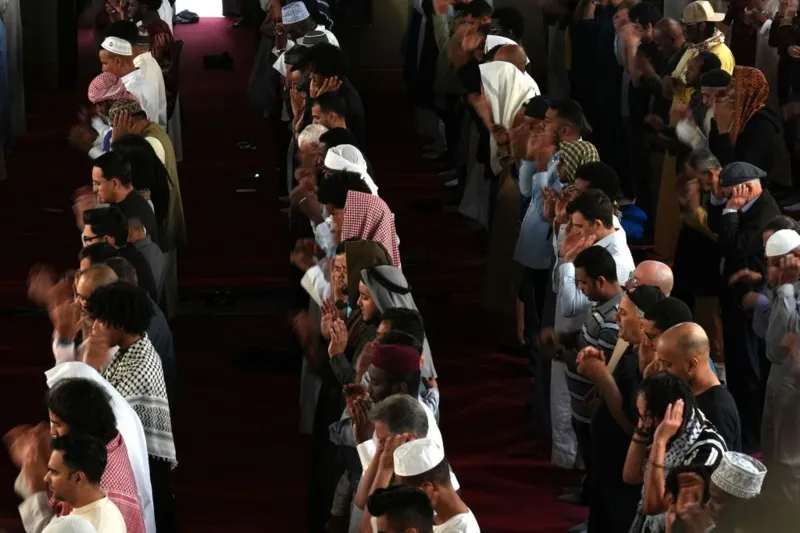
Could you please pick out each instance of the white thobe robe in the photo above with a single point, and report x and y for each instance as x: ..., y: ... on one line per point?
x: 145, y: 92
x: 155, y: 78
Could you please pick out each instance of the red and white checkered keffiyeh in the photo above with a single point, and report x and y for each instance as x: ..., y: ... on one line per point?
x: 120, y: 485
x: 108, y: 88
x: 368, y: 217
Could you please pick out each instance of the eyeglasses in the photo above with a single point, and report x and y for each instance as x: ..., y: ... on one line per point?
x: 651, y: 337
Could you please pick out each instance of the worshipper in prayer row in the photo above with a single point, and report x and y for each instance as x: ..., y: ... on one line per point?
x: 95, y: 131
x: 116, y: 57
x: 73, y: 473
x: 776, y: 320
x: 78, y: 406
x: 401, y: 508
x: 671, y: 431
x: 739, y: 211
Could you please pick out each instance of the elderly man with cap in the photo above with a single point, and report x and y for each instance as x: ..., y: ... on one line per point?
x: 735, y: 484
x: 421, y: 463
x: 612, y: 423
x: 740, y: 211
x: 116, y: 57
x: 779, y: 430
x: 684, y: 351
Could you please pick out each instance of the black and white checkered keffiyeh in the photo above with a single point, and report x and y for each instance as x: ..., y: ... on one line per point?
x: 137, y: 375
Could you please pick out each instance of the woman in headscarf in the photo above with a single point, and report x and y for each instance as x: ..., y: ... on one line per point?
x: 348, y: 157
x: 389, y: 289
x: 150, y: 178
x: 743, y: 127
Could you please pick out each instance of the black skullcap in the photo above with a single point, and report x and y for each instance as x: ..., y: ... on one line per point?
x: 537, y: 107
x: 739, y: 172
x: 667, y: 313
x: 645, y: 296
x: 717, y: 79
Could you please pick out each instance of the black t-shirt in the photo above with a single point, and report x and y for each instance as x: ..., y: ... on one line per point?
x: 720, y: 409
x: 134, y: 206
x: 143, y: 271
x: 609, y: 441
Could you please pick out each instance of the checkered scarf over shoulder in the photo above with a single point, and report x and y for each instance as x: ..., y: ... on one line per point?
x: 368, y: 217
x: 137, y: 375
x: 108, y: 88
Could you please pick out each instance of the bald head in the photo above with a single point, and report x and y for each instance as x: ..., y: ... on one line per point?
x: 514, y: 54
x: 683, y: 350
x: 688, y: 339
x: 656, y: 274
x: 96, y: 276
x: 669, y: 26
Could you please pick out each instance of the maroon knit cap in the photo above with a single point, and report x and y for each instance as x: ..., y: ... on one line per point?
x: 396, y: 359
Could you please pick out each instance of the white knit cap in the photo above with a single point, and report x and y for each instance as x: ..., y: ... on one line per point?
x: 118, y: 46
x: 739, y: 475
x: 782, y: 242
x: 69, y: 524
x: 294, y: 12
x: 417, y: 457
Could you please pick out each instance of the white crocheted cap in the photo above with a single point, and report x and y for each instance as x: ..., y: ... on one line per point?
x: 118, y: 46
x: 739, y: 475
x: 294, y: 12
x: 417, y: 457
x: 782, y: 242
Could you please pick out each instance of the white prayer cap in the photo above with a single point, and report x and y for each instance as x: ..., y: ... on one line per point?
x: 782, y: 242
x: 118, y: 46
x: 69, y: 524
x: 294, y: 12
x: 739, y: 475
x: 417, y: 457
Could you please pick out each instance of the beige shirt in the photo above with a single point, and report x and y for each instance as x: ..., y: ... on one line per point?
x: 104, y: 516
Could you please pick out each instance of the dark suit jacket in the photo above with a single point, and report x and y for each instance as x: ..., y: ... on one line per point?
x: 739, y: 234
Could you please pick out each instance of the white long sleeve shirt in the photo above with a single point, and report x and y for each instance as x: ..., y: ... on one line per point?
x: 155, y: 78
x: 571, y: 304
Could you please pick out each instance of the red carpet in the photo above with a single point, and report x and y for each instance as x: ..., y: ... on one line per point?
x: 242, y: 464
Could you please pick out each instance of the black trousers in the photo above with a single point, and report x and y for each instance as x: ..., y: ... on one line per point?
x: 532, y: 295
x: 746, y: 368
x: 583, y: 432
x: 163, y: 496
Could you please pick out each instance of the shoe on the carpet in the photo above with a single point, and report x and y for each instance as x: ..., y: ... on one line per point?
x: 286, y: 211
x: 580, y: 528
x: 284, y: 199
x: 452, y: 183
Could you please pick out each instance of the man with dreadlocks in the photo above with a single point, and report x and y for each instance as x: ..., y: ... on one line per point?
x: 121, y: 313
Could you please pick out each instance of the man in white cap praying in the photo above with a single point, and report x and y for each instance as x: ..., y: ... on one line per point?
x: 734, y: 485
x: 421, y: 463
x: 116, y: 57
x: 780, y: 440
x: 297, y: 23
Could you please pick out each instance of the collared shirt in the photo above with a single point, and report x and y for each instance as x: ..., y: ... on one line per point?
x: 571, y: 304
x: 104, y: 516
x: 144, y: 91
x: 600, y: 330
x: 155, y: 77
x: 533, y: 245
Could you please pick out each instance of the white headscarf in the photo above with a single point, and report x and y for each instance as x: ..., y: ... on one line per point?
x: 348, y: 157
x: 506, y: 89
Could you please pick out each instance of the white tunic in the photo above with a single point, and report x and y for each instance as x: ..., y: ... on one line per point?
x: 460, y: 523
x: 145, y: 92
x: 104, y: 516
x: 155, y: 77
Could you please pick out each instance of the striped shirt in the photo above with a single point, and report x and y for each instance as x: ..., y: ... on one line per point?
x: 600, y: 330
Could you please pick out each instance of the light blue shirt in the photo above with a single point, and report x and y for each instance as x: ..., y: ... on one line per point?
x: 534, y: 248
